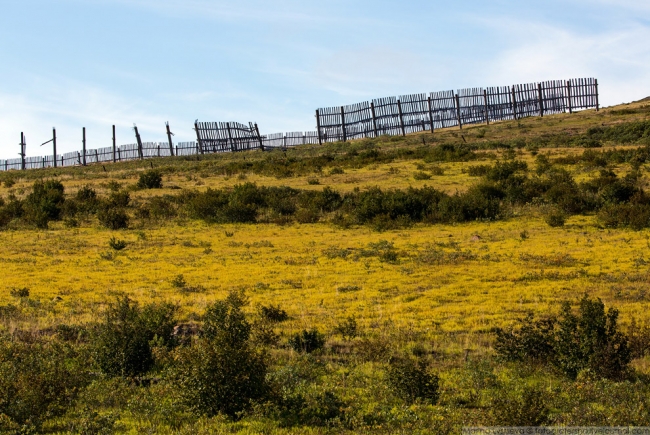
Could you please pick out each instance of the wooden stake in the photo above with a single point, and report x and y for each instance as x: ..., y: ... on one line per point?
x: 169, y: 139
x: 54, y: 145
x: 139, y: 140
x: 487, y: 111
x: 232, y: 145
x: 23, y: 148
x: 83, y: 141
x: 199, y: 143
x: 568, y: 90
x: 401, y: 118
x: 259, y: 138
x: 343, y: 124
x: 596, y: 85
x: 460, y: 123
x: 320, y: 141
x: 113, y: 143
x: 430, y: 114
x: 514, y: 102
x: 374, y: 119
x: 541, y: 100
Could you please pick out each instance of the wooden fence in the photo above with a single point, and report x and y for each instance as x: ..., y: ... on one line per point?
x: 390, y: 115
x: 422, y: 112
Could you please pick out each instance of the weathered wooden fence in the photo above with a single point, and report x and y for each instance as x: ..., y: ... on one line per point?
x: 420, y: 112
x: 391, y: 115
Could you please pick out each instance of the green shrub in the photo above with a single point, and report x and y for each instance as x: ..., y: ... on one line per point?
x: 307, y: 341
x: 419, y: 175
x: 121, y: 341
x: 151, y: 179
x: 38, y: 381
x: 573, y: 342
x: 44, y: 203
x: 273, y: 313
x: 222, y: 372
x: 22, y: 292
x: 520, y: 408
x: 411, y: 380
x: 555, y: 219
x: 113, y: 218
x: 117, y: 244
x: 119, y: 199
x: 348, y: 328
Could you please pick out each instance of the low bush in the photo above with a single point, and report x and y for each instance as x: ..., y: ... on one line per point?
x: 38, y: 381
x: 121, y: 342
x: 573, y: 342
x: 113, y: 218
x: 116, y: 244
x: 307, y: 341
x: 521, y: 408
x: 412, y: 381
x: 273, y: 313
x: 222, y: 372
x: 150, y: 179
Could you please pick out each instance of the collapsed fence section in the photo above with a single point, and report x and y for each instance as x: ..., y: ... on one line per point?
x: 418, y: 112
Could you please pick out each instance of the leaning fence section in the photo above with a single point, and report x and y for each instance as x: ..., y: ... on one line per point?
x: 419, y: 112
x: 383, y: 116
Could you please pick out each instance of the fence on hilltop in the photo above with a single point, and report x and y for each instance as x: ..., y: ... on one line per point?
x: 383, y: 116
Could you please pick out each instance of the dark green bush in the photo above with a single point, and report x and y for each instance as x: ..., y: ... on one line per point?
x: 121, y: 341
x: 150, y: 179
x: 273, y: 313
x: 119, y: 199
x: 527, y: 407
x: 307, y: 341
x: 572, y: 342
x: 555, y: 219
x: 44, y: 203
x: 117, y: 244
x: 222, y: 372
x: 348, y: 328
x: 411, y: 380
x: 38, y: 381
x: 113, y: 218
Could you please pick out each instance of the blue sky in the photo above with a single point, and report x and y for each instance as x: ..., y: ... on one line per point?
x: 94, y: 63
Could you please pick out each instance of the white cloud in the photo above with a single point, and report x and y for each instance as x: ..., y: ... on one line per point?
x: 617, y: 58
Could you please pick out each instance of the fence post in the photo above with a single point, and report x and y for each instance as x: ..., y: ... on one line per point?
x: 119, y: 155
x: 320, y: 142
x: 96, y: 156
x: 568, y: 89
x: 259, y: 137
x: 513, y: 102
x: 169, y: 139
x: 430, y: 114
x: 54, y: 146
x: 343, y: 124
x: 541, y: 100
x: 158, y: 150
x: 199, y: 145
x: 23, y: 148
x: 487, y: 109
x: 78, y: 158
x: 113, y: 143
x: 232, y: 145
x: 401, y: 118
x: 374, y: 119
x: 457, y: 100
x: 139, y: 140
x: 596, y: 85
x: 83, y: 141
x: 43, y: 162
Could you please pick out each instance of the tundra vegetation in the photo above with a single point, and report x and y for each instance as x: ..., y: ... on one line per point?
x: 494, y: 275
